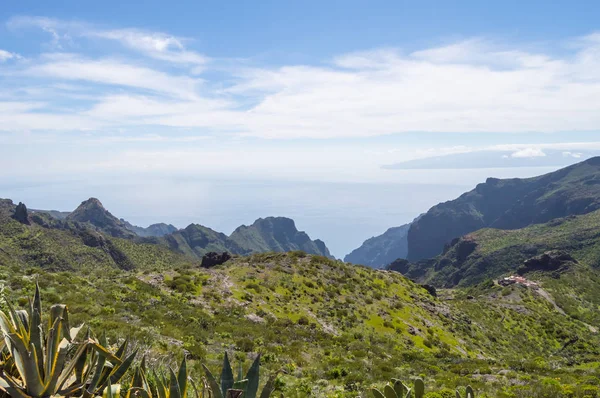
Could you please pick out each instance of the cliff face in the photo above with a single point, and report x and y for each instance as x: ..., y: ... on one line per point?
x: 507, y: 204
x: 379, y: 251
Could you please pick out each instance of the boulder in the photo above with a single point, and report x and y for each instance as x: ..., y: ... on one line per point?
x: 212, y: 259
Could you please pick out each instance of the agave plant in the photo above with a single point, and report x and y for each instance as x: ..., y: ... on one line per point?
x: 175, y: 387
x: 469, y: 393
x: 397, y: 389
x: 43, y: 363
x: 243, y: 387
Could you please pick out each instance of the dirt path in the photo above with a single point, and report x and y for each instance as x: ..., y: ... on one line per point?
x: 550, y: 299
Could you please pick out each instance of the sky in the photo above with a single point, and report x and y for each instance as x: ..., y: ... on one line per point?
x: 349, y: 116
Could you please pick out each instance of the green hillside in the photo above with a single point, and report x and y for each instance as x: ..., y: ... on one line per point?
x: 334, y: 328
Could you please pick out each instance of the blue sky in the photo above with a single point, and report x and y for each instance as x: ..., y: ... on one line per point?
x: 308, y: 92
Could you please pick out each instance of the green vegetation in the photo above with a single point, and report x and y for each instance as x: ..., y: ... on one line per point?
x: 332, y: 329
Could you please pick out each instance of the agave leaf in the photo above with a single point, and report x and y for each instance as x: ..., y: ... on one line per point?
x: 182, y: 378
x: 389, y: 392
x: 23, y: 318
x: 60, y: 311
x: 120, y: 371
x: 137, y: 392
x: 35, y: 330
x: 121, y: 350
x: 376, y: 393
x: 112, y: 391
x: 196, y: 388
x: 458, y: 394
x: 57, y: 367
x: 253, y: 379
x: 16, y: 356
x: 103, y: 352
x: 269, y: 387
x: 160, y: 386
x: 18, y: 324
x: 212, y: 383
x: 408, y: 393
x: 80, y: 360
x: 52, y: 343
x: 73, y: 332
x: 226, y: 375
x: 32, y: 378
x: 97, y: 375
x: 8, y: 385
x: 174, y: 391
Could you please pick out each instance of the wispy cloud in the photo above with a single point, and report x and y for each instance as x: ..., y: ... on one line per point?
x: 6, y: 55
x: 473, y: 85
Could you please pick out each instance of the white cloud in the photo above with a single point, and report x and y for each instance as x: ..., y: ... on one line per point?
x: 113, y: 72
x: 575, y: 155
x: 528, y: 153
x: 154, y: 44
x: 473, y: 85
x: 5, y: 55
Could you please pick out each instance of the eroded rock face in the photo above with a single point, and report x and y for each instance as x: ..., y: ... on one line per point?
x: 21, y: 214
x: 212, y: 259
x: 400, y: 265
x: 555, y: 260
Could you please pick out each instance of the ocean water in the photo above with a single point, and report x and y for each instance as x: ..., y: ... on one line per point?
x: 343, y: 214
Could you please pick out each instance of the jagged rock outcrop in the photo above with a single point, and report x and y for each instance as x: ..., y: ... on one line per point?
x: 554, y: 260
x: 507, y: 204
x: 212, y: 259
x: 21, y: 214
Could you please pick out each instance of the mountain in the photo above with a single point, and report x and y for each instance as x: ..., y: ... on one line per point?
x: 271, y: 234
x: 154, y: 230
x: 59, y: 215
x: 489, y: 253
x: 196, y: 240
x: 379, y: 251
x: 335, y: 328
x: 276, y: 234
x: 507, y: 204
x: 93, y: 213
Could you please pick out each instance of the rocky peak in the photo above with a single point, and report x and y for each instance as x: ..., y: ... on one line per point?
x: 93, y: 212
x: 21, y: 214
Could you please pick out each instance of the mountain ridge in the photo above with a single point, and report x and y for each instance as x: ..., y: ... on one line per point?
x: 507, y: 204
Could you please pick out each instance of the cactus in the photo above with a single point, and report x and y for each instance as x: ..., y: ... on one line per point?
x: 469, y: 393
x: 398, y: 390
x: 246, y: 387
x: 35, y: 362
